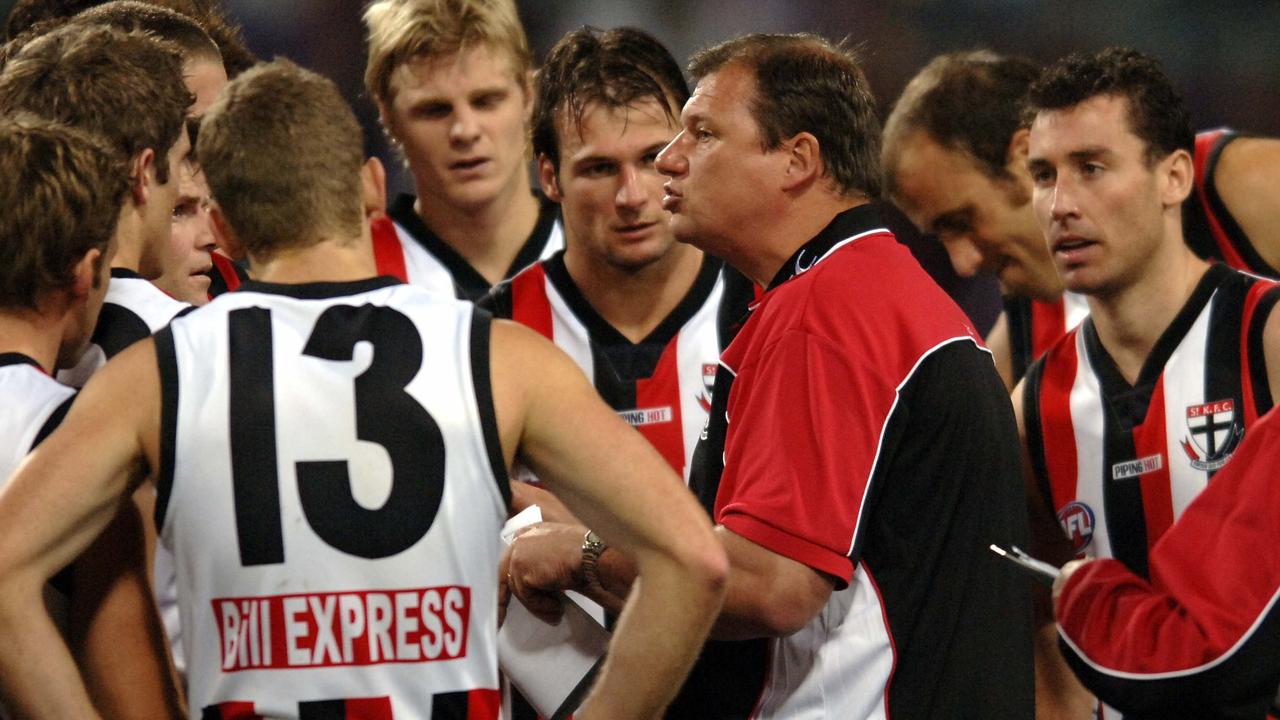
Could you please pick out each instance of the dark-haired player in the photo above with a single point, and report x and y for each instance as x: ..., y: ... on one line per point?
x: 633, y: 307
x: 1128, y: 416
x: 954, y: 159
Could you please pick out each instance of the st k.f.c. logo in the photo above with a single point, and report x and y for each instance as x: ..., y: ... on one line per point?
x: 1214, y: 432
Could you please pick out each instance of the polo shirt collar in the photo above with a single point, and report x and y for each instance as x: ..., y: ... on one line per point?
x: 844, y: 226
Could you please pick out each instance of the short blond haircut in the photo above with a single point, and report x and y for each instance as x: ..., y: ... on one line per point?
x: 282, y: 152
x: 402, y: 30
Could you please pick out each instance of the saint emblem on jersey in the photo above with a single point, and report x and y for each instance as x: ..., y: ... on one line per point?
x: 1214, y: 434
x: 708, y: 384
x: 1077, y: 520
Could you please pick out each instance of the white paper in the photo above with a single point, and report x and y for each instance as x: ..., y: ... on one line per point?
x: 548, y: 662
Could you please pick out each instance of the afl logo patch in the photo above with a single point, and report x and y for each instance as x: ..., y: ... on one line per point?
x: 1077, y: 520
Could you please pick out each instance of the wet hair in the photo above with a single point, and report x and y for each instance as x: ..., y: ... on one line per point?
x: 615, y: 69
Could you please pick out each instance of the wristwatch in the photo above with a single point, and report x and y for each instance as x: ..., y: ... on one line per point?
x: 592, y: 548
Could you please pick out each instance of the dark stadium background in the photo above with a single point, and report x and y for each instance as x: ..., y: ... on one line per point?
x: 1224, y: 56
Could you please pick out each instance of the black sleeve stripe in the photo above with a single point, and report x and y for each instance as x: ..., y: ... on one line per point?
x: 480, y: 378
x: 118, y: 328
x: 1258, y: 354
x: 1218, y: 208
x: 167, y: 360
x: 1243, y: 678
x: 1031, y: 426
x: 54, y: 420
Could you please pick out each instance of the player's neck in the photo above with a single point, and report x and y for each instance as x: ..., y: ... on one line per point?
x: 635, y: 302
x: 1131, y: 320
x: 38, y: 335
x: 330, y: 260
x: 780, y: 235
x: 487, y: 236
x: 128, y: 241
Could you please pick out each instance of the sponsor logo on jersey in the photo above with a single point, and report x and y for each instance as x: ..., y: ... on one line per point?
x: 1135, y: 468
x: 708, y: 385
x: 1214, y: 434
x: 1077, y: 520
x: 370, y: 627
x: 646, y: 416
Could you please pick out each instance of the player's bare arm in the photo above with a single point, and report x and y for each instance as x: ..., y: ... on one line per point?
x: 1247, y: 179
x: 61, y: 498
x: 1059, y: 695
x: 115, y: 633
x: 607, y: 475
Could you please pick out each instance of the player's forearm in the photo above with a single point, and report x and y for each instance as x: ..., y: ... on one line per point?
x: 1059, y: 695
x: 115, y: 631
x: 37, y: 675
x: 658, y: 637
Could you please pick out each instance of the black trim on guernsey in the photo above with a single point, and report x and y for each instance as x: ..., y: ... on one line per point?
x: 1235, y: 234
x: 735, y: 305
x: 480, y: 378
x: 320, y: 290
x: 1222, y: 376
x: 167, y: 363
x: 468, y: 283
x: 53, y: 421
x: 1033, y: 428
x: 1262, y: 399
x: 13, y: 358
x: 1017, y: 317
x: 125, y: 274
x: 618, y: 363
x: 118, y: 328
x: 844, y: 226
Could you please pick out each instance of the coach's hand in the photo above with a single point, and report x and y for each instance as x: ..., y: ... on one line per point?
x: 543, y: 560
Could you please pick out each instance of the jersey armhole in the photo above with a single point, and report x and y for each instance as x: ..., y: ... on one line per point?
x: 53, y: 421
x: 1262, y: 391
x: 1035, y: 438
x: 480, y: 379
x: 167, y: 360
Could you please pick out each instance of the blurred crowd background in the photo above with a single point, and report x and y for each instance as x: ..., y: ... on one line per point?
x: 1225, y: 56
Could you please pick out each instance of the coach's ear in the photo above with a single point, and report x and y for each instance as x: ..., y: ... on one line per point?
x: 803, y: 159
x: 225, y: 235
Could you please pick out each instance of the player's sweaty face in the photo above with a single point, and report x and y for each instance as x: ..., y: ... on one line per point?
x: 1096, y: 196
x: 985, y: 223
x: 461, y: 121
x: 609, y: 190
